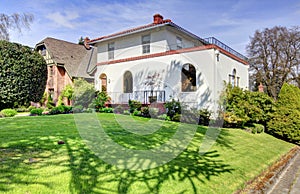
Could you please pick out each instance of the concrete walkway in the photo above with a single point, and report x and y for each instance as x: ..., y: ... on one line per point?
x: 288, y: 181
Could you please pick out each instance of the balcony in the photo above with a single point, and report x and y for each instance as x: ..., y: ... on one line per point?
x: 214, y: 41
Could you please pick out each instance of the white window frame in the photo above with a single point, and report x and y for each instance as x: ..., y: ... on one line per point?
x: 111, y: 50
x: 146, y: 39
x: 179, y: 44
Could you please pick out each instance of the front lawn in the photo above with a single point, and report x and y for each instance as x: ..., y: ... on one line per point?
x: 31, y: 161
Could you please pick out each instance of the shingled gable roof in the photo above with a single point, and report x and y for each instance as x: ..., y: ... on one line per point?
x: 73, y: 57
x: 155, y: 24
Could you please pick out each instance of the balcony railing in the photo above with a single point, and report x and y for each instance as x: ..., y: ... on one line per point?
x: 213, y: 40
x: 210, y: 40
x: 146, y: 96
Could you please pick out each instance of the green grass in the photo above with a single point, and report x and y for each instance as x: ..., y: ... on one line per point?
x: 31, y: 161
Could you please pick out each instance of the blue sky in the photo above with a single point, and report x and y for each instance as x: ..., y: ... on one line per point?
x: 231, y: 21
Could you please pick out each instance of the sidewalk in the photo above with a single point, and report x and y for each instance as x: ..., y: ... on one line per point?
x: 289, y: 180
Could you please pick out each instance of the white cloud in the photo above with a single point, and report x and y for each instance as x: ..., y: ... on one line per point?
x: 65, y: 19
x: 230, y: 21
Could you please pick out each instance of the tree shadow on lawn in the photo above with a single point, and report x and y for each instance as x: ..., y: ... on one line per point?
x: 89, y: 174
x: 19, y: 159
x: 92, y: 175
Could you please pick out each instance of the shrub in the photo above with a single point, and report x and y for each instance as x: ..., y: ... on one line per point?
x: 232, y: 120
x: 22, y: 109
x: 44, y: 98
x: 259, y: 128
x: 255, y: 128
x: 1, y: 115
x: 176, y: 117
x: 8, y: 112
x: 243, y: 107
x: 67, y: 92
x: 36, y: 111
x: 77, y: 109
x: 50, y: 104
x: 31, y: 107
x: 61, y: 109
x: 145, y: 112
x: 153, y: 112
x: 23, y: 75
x: 286, y: 119
x: 204, y: 117
x: 126, y: 112
x: 136, y: 113
x: 107, y: 110
x: 164, y: 117
x: 134, y: 105
x: 100, y: 100
x: 173, y: 108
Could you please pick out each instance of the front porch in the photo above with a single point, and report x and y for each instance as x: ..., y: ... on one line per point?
x: 145, y: 97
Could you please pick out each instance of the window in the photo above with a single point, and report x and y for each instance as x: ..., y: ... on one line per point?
x: 43, y: 51
x: 51, y: 72
x: 146, y: 43
x: 188, y: 78
x: 127, y: 82
x: 179, y: 42
x: 111, y: 50
x: 103, y: 79
x: 233, y: 79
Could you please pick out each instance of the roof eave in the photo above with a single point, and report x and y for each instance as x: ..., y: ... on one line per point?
x: 92, y: 42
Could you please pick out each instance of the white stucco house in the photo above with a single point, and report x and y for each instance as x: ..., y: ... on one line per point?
x: 161, y: 61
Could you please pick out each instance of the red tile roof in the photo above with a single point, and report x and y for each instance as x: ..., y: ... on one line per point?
x: 172, y: 52
x: 144, y: 27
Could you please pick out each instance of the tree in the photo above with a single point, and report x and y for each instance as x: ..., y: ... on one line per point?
x: 84, y: 93
x: 15, y: 21
x: 274, y: 58
x: 81, y: 41
x: 23, y: 75
x: 68, y: 93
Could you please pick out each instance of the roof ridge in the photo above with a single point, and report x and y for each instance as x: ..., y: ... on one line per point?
x: 61, y: 41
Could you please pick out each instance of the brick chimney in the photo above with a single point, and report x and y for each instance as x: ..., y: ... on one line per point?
x: 86, y: 45
x: 158, y: 19
x: 261, y: 87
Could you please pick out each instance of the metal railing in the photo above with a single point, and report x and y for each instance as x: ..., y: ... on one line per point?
x: 146, y: 96
x: 210, y: 40
x: 213, y: 40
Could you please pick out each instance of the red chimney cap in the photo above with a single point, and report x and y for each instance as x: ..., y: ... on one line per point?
x: 158, y: 19
x: 86, y: 43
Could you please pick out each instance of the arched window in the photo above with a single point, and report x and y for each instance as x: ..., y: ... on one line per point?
x: 103, y: 79
x: 233, y: 77
x: 127, y: 82
x: 188, y: 78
